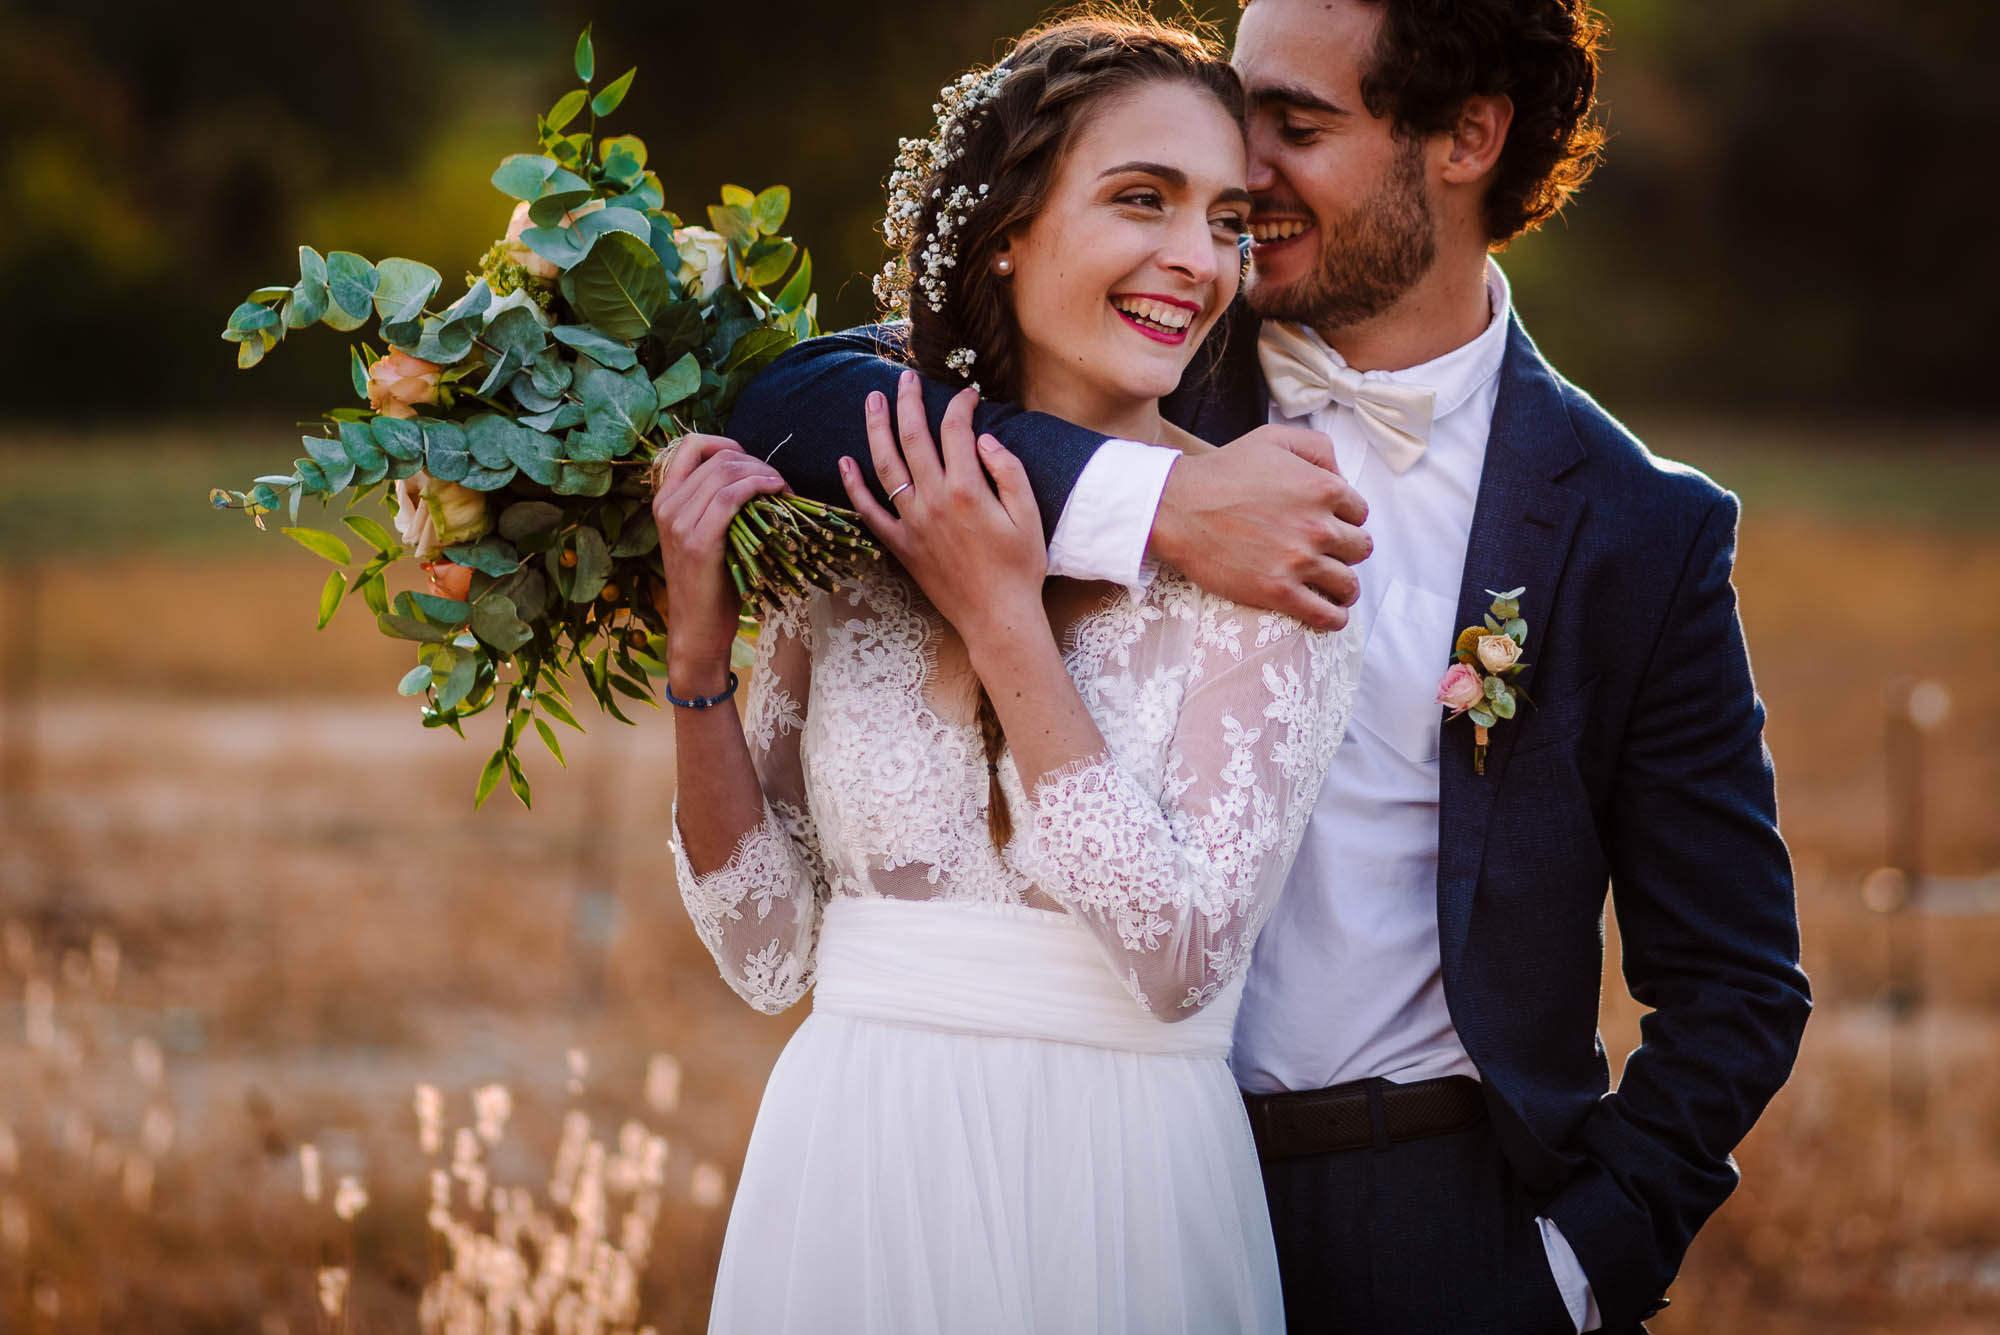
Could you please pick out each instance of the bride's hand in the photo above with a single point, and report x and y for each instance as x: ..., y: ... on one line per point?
x: 978, y: 556
x: 708, y: 481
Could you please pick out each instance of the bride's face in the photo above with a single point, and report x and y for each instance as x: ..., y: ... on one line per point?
x: 1134, y: 256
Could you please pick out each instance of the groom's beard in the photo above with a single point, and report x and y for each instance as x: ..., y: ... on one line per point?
x: 1369, y: 257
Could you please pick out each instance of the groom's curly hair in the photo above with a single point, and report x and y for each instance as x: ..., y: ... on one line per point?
x: 1015, y: 148
x: 1431, y: 55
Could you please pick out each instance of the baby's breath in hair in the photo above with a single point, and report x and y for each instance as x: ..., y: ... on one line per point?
x: 918, y: 162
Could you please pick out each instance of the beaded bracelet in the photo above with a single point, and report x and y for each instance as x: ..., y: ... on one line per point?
x: 701, y: 701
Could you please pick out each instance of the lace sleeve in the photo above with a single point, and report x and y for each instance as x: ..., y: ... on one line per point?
x: 759, y: 913
x: 1175, y: 857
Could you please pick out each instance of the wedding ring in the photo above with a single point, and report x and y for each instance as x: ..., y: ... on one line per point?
x: 899, y: 491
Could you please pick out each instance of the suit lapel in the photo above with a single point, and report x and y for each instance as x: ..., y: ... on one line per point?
x: 1222, y: 395
x: 1522, y: 526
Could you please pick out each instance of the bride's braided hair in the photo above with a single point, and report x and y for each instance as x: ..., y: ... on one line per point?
x: 956, y: 198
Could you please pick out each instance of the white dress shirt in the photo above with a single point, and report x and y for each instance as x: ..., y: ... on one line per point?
x: 1346, y: 983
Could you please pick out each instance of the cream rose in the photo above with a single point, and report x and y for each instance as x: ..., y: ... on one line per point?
x: 518, y: 250
x: 432, y: 515
x: 704, y: 256
x: 399, y: 382
x: 1497, y: 653
x: 1461, y: 688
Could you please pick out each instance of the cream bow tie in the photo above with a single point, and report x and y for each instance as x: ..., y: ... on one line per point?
x: 1304, y: 378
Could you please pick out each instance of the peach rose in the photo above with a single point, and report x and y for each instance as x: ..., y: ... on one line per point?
x: 1497, y: 653
x: 1461, y: 688
x: 399, y: 382
x: 518, y: 249
x: 449, y: 579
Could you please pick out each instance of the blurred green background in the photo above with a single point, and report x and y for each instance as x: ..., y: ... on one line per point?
x: 1795, y: 215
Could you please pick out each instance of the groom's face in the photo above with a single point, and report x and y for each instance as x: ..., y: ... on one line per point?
x: 1343, y: 217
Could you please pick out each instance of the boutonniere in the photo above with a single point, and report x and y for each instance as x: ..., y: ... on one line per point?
x: 1485, y: 661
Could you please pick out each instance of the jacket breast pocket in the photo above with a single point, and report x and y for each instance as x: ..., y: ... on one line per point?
x: 1557, y: 722
x: 1408, y: 649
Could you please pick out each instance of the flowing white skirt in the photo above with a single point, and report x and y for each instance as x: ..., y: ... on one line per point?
x: 978, y: 1130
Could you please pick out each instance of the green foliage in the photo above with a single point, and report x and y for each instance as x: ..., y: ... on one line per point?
x: 543, y: 404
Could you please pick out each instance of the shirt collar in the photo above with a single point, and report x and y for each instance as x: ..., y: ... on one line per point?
x: 1458, y: 374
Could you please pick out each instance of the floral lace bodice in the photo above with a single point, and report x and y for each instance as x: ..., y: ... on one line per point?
x: 1219, y: 722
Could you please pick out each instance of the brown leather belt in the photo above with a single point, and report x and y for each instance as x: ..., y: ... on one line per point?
x: 1361, y: 1113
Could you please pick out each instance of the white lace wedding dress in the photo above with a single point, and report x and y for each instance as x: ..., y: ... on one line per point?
x: 1010, y: 1110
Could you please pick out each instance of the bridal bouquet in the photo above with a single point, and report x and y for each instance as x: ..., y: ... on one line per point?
x: 512, y: 434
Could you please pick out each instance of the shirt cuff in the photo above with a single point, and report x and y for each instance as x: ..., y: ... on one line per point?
x: 1105, y: 524
x: 1575, y: 1285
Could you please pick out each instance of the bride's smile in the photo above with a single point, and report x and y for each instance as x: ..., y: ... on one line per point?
x: 1128, y: 265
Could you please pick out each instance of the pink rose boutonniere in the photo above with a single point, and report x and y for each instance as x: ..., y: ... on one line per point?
x: 1481, y: 679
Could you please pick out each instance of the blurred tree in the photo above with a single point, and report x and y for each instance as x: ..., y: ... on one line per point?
x: 1792, y: 215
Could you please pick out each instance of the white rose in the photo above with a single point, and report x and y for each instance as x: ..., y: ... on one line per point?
x: 432, y: 515
x: 1497, y: 653
x: 704, y: 254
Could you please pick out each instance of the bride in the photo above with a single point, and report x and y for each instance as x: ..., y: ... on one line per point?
x: 1018, y: 833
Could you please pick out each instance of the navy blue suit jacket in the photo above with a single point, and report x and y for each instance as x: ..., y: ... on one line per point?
x: 1641, y: 767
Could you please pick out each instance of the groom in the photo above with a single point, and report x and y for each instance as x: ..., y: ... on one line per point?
x: 1418, y: 1041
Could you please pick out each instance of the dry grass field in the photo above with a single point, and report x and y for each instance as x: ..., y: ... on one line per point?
x: 310, y: 920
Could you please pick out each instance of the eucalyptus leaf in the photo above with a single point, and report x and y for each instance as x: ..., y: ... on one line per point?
x: 1483, y: 718
x: 560, y: 246
x: 590, y: 226
x: 494, y: 556
x: 336, y: 469
x: 400, y: 627
x: 447, y: 612
x: 733, y: 222
x: 583, y: 479
x: 403, y: 284
x: 522, y: 518
x: 1503, y: 707
x: 479, y: 478
x: 769, y: 266
x: 768, y: 210
x: 638, y: 540
x: 522, y: 175
x: 446, y: 454
x: 600, y: 348
x: 474, y: 303
x: 248, y: 318
x: 415, y: 682
x: 593, y: 565
x: 444, y: 342
x: 351, y: 281
x: 459, y: 684
x: 496, y: 621
x: 630, y: 145
x: 371, y: 462
x: 399, y: 437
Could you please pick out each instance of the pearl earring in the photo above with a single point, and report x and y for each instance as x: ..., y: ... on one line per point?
x: 1003, y: 265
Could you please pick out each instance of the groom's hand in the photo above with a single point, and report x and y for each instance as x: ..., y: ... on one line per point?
x: 1269, y: 521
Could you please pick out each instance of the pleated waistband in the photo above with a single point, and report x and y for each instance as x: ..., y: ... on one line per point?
x: 998, y: 970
